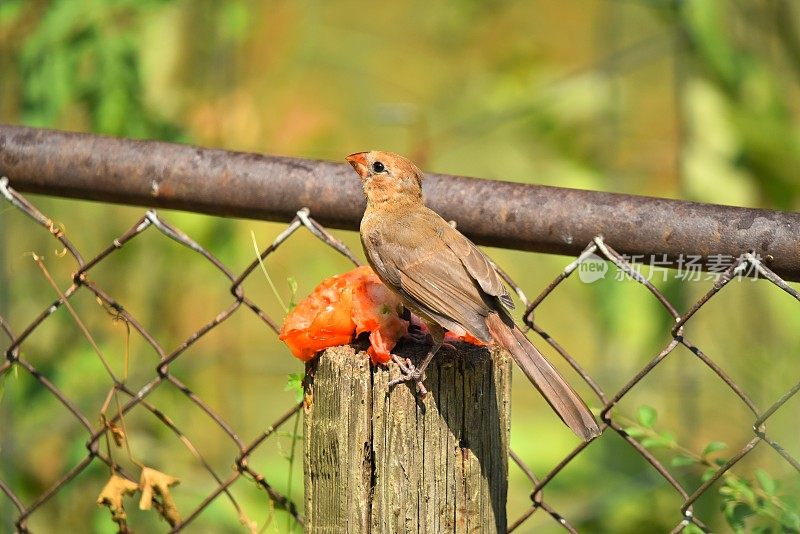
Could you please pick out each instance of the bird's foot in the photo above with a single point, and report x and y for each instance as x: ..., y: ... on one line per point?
x: 409, y: 373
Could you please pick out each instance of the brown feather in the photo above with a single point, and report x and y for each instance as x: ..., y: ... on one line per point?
x: 428, y: 276
x: 445, y: 279
x: 560, y: 395
x: 478, y: 265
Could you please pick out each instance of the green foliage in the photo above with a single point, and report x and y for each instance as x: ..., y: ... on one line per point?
x: 292, y: 283
x: 295, y: 385
x: 691, y: 528
x: 756, y: 117
x: 714, y: 446
x: 82, y: 59
x: 647, y: 416
x: 747, y: 504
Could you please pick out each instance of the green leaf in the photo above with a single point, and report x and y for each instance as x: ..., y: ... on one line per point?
x: 741, y: 489
x: 714, y: 446
x: 791, y: 520
x: 292, y: 284
x: 748, y: 493
x: 635, y: 431
x: 691, y: 528
x: 295, y: 383
x: 652, y: 443
x: 668, y: 438
x: 647, y: 416
x: 735, y: 513
x: 293, y: 291
x: 682, y: 461
x: 708, y: 473
x: 766, y: 481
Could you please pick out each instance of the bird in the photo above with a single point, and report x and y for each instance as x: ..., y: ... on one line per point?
x: 442, y: 277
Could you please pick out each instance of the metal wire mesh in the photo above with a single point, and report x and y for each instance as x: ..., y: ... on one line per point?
x: 748, y: 260
x: 111, y: 423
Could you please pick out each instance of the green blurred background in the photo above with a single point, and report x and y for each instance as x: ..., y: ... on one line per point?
x: 694, y: 99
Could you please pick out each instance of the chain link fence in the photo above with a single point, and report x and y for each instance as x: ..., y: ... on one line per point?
x: 100, y: 435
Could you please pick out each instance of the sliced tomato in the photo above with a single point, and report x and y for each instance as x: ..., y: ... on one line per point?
x: 345, y: 306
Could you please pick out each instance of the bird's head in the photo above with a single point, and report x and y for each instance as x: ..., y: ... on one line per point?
x: 387, y: 176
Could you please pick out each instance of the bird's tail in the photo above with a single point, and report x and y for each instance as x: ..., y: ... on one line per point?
x: 566, y: 403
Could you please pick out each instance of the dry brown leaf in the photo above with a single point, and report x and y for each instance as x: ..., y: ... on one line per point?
x: 111, y: 496
x: 158, y: 483
x: 117, y: 433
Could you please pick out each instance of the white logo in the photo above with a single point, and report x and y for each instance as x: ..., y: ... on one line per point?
x: 592, y: 268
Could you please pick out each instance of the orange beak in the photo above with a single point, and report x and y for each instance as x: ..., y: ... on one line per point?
x: 359, y: 163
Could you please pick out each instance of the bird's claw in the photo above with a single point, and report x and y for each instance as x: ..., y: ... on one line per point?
x: 409, y: 373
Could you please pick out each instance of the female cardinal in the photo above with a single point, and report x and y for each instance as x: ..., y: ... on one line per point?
x: 445, y: 279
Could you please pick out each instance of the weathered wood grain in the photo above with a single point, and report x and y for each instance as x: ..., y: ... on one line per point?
x: 380, y: 460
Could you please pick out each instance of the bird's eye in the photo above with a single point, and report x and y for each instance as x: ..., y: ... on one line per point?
x: 378, y: 167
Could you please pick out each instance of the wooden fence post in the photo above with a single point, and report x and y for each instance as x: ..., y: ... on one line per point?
x: 380, y: 460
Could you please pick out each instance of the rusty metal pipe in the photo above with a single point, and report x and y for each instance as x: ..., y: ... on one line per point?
x: 496, y: 213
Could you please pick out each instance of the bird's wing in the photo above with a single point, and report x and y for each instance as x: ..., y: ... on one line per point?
x: 423, y: 268
x: 478, y: 266
x: 439, y: 281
